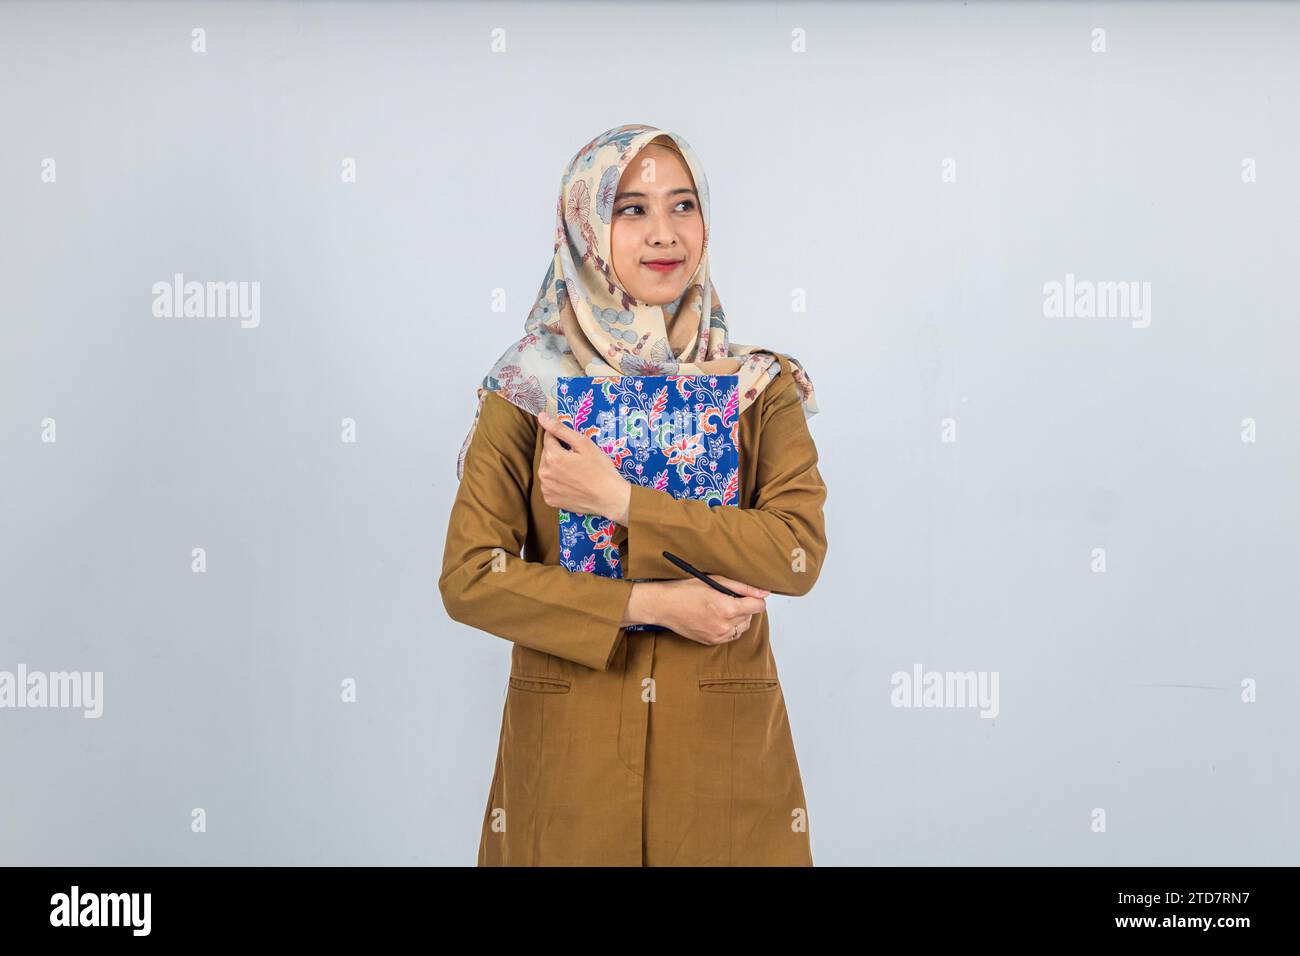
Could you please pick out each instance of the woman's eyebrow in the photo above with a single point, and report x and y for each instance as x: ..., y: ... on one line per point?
x: 643, y: 195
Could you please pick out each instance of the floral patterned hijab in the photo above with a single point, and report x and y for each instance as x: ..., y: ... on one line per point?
x: 583, y: 321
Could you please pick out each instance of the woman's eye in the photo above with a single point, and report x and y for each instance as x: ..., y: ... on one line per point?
x: 688, y: 203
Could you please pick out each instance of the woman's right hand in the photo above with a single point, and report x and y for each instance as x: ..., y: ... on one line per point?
x: 694, y: 610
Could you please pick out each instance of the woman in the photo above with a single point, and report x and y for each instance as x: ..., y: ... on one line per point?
x: 667, y: 747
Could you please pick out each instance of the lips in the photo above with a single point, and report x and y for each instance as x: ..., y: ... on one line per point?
x: 662, y: 265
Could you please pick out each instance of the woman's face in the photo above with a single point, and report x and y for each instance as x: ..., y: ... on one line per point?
x: 656, y: 220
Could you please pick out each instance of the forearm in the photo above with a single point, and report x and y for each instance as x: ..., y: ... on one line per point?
x: 642, y: 605
x: 778, y: 548
x: 545, y: 607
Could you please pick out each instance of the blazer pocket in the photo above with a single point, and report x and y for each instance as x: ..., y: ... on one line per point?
x: 737, y: 685
x: 539, y: 684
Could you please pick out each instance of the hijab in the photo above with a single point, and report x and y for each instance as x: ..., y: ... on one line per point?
x: 584, y: 322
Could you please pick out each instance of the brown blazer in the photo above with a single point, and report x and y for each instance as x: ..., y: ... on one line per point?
x: 637, y: 748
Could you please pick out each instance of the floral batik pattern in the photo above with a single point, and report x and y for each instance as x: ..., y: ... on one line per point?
x: 675, y: 433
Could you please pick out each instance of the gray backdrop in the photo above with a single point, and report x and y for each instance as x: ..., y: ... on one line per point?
x: 919, y: 172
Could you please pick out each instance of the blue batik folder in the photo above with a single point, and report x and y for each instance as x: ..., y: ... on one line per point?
x: 676, y: 433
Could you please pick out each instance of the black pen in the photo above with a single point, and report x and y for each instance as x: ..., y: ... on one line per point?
x: 690, y: 570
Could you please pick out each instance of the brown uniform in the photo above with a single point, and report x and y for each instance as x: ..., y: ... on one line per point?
x: 637, y: 748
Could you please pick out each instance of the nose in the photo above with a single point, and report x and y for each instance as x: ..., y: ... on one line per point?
x: 661, y: 233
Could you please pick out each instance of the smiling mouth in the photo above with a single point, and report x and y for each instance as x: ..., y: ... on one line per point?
x: 663, y: 265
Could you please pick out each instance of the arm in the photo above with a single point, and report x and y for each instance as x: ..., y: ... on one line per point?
x: 758, y: 545
x: 485, y: 584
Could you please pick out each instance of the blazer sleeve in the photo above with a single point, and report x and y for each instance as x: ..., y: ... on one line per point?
x: 484, y: 581
x: 779, y: 544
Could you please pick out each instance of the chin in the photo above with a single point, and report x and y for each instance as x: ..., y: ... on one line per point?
x: 661, y: 298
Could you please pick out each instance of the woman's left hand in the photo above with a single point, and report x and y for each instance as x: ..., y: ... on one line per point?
x: 583, y: 480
